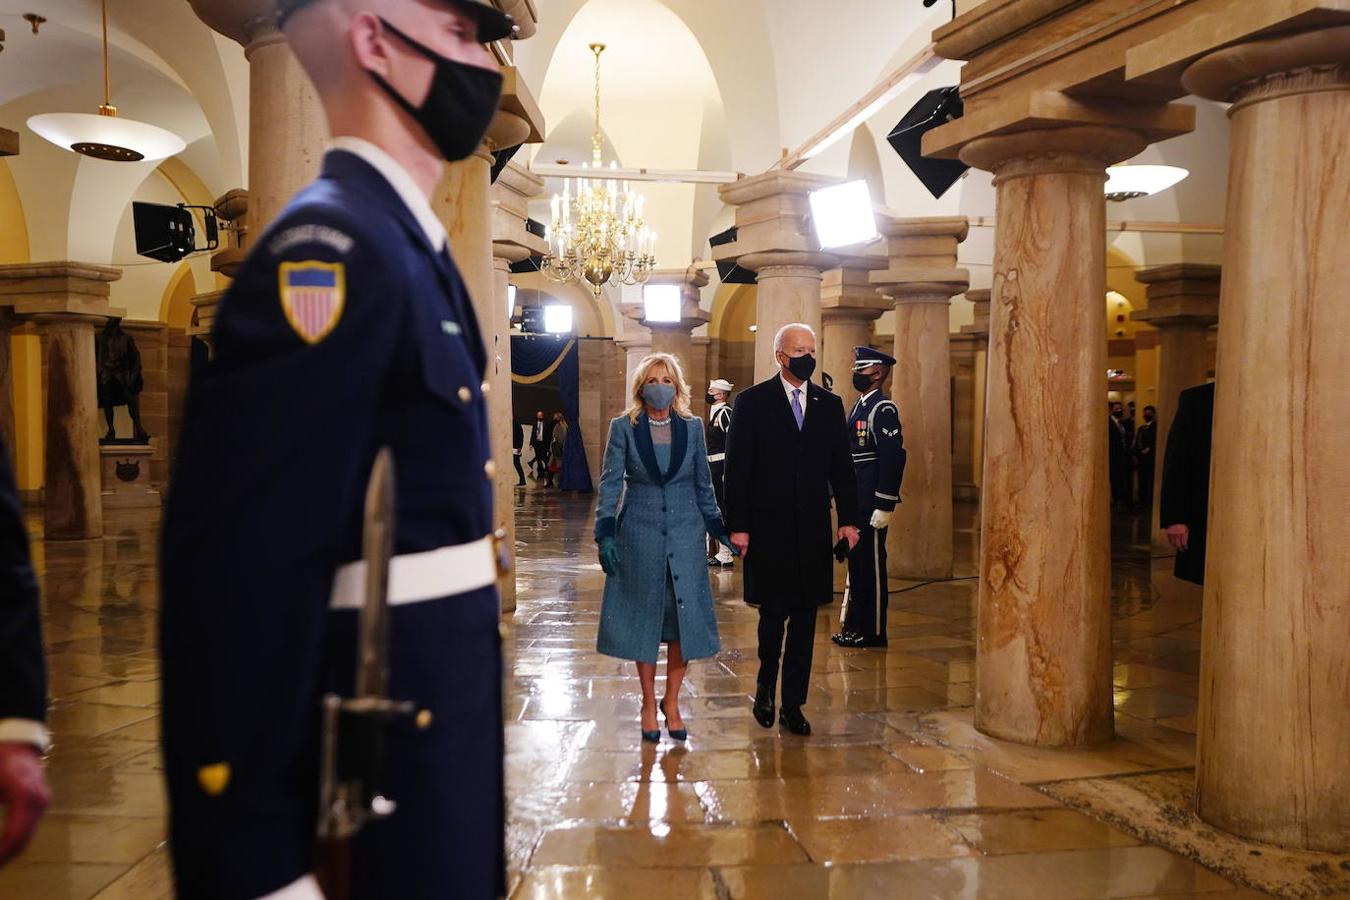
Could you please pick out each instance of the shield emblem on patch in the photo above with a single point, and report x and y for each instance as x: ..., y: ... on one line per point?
x: 312, y: 296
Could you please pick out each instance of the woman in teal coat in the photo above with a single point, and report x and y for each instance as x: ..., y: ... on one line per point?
x: 656, y: 504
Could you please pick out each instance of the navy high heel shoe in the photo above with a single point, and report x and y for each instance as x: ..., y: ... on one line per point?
x: 676, y: 734
x: 652, y: 737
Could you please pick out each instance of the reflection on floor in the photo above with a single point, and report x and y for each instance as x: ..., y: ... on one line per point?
x: 894, y: 795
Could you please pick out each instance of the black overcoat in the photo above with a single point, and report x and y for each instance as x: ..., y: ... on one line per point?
x: 23, y: 688
x: 1184, y: 498
x: 779, y: 482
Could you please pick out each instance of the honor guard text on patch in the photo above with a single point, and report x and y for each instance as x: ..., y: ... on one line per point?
x: 312, y: 296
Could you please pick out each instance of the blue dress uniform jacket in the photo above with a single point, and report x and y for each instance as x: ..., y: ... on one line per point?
x: 878, y: 448
x: 278, y: 442
x: 659, y: 519
x: 23, y: 690
x: 877, y: 444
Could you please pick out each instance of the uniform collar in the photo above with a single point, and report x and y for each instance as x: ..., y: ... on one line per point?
x: 863, y: 398
x: 401, y: 182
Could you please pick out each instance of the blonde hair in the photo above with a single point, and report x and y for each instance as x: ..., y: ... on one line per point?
x: 636, y: 405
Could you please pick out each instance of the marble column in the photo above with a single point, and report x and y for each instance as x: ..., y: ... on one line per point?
x: 979, y: 330
x: 287, y: 130
x: 636, y: 344
x: 773, y: 241
x: 1043, y: 664
x: 1274, y: 722
x: 511, y: 243
x: 849, y: 306
x: 922, y: 279
x: 7, y: 433
x: 1183, y: 304
x: 963, y: 352
x: 68, y: 301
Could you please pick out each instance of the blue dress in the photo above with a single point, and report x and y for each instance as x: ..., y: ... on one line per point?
x: 670, y: 620
x: 658, y: 507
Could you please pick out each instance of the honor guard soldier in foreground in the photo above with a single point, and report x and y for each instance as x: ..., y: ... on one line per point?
x: 719, y: 423
x: 348, y: 329
x: 878, y: 448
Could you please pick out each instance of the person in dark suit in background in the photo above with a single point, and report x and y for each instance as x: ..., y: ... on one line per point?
x: 540, y: 438
x: 787, y: 454
x: 1183, y: 504
x: 517, y: 447
x: 23, y: 684
x: 1145, y: 443
x: 1119, y: 458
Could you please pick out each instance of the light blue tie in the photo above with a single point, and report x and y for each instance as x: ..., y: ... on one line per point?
x: 797, y: 407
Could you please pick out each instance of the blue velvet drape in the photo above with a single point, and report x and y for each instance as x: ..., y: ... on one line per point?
x: 537, y: 358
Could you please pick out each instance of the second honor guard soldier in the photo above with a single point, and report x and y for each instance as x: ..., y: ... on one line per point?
x: 878, y: 448
x: 348, y: 329
x: 719, y: 424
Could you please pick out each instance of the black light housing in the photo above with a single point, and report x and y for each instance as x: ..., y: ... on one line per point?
x: 729, y: 272
x: 934, y: 109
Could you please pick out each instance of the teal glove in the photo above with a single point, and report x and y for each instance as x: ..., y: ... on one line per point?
x: 725, y: 540
x: 609, y: 555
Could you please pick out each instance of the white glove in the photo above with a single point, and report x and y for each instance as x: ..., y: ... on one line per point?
x: 880, y: 519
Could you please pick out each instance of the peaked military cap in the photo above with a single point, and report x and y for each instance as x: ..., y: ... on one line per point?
x: 868, y: 356
x: 493, y: 24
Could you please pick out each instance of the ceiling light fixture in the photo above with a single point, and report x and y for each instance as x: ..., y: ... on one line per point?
x: 105, y: 136
x: 598, y: 236
x: 1129, y: 182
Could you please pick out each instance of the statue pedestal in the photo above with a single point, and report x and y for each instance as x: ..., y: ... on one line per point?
x: 127, y: 478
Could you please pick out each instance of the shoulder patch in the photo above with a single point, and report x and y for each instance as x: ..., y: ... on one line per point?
x: 313, y: 295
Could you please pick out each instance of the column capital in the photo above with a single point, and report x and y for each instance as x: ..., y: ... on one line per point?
x: 922, y: 259
x: 59, y: 288
x: 846, y: 293
x: 242, y: 21
x: 980, y: 327
x: 1085, y: 149
x: 772, y: 263
x: 519, y: 104
x: 691, y: 282
x: 232, y: 206
x: 771, y: 210
x: 1300, y: 63
x: 1185, y: 295
x: 511, y: 195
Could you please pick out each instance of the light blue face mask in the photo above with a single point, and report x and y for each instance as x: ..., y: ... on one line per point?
x: 658, y: 396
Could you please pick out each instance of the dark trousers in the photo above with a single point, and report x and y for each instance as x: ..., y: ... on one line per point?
x: 520, y: 472
x: 1146, y: 482
x: 796, y: 654
x: 540, y: 464
x: 1120, y: 484
x: 866, y: 596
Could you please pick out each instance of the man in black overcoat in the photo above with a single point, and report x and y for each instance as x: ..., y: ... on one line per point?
x: 1145, y: 445
x: 787, y: 454
x: 1183, y: 503
x: 1118, y: 446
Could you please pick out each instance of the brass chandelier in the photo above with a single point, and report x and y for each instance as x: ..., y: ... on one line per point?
x: 598, y: 236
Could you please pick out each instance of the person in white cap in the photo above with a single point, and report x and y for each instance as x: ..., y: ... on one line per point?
x: 719, y: 423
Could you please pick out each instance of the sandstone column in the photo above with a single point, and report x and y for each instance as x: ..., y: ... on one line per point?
x: 922, y: 279
x: 1183, y: 304
x: 773, y: 240
x: 7, y: 323
x: 1043, y: 670
x: 848, y: 307
x: 511, y: 242
x: 68, y: 301
x: 964, y: 349
x: 287, y: 132
x: 979, y: 329
x: 1274, y: 723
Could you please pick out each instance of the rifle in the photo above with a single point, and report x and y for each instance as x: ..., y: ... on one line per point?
x: 352, y: 749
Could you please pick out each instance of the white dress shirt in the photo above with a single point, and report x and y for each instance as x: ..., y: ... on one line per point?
x: 789, y: 388
x: 25, y: 731
x: 401, y: 182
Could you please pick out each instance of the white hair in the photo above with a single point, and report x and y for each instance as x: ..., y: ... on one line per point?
x: 783, y: 333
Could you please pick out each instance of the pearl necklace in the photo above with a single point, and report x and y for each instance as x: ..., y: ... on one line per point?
x: 659, y: 423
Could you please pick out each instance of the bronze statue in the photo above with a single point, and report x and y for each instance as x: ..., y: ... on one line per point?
x: 119, y: 378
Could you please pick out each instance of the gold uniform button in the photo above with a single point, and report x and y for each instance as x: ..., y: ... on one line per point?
x: 490, y: 469
x: 465, y: 395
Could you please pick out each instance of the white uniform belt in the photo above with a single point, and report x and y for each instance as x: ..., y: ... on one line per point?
x: 716, y: 457
x: 415, y: 577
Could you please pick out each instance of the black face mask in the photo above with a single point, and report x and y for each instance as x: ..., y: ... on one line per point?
x: 711, y: 398
x: 862, y: 383
x: 802, y: 367
x: 459, y: 106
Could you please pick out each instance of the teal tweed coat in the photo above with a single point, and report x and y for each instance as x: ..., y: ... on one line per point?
x: 660, y: 520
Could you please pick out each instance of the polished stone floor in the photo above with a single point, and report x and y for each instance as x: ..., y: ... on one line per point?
x: 895, y: 795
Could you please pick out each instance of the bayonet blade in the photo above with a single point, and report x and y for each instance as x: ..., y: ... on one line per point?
x: 377, y: 548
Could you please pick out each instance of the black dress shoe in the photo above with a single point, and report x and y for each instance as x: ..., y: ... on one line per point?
x: 844, y: 638
x: 862, y: 640
x: 792, y: 719
x: 763, y: 708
